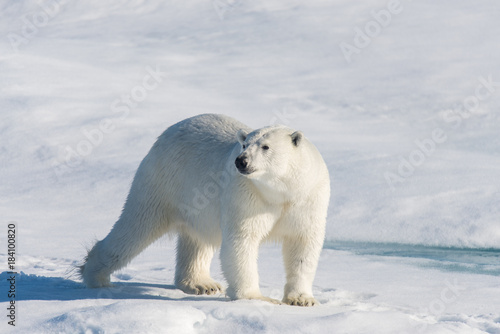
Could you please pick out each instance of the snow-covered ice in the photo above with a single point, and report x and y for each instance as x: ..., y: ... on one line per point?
x: 401, y: 97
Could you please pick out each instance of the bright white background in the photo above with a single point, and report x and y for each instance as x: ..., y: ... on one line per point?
x: 404, y: 108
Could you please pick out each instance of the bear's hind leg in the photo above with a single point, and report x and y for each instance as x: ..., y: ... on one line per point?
x: 126, y: 240
x: 192, y: 272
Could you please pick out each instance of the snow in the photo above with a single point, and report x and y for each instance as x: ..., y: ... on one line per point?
x: 408, y: 126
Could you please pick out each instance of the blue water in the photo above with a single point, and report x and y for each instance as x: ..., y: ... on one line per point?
x: 468, y: 260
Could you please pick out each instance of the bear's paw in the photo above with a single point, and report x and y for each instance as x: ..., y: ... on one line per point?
x: 201, y: 287
x: 301, y: 300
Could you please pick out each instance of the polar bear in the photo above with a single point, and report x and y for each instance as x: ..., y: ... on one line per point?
x: 216, y: 183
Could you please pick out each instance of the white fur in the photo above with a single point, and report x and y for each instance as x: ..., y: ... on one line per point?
x: 189, y: 184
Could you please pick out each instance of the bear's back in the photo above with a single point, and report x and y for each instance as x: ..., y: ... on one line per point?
x: 207, y: 129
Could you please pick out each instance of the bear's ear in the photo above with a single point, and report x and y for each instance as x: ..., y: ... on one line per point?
x: 297, y: 138
x: 242, y: 136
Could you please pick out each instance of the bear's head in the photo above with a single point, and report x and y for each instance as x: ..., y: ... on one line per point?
x: 268, y: 152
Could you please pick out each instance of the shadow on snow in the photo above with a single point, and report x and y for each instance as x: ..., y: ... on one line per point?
x: 34, y: 287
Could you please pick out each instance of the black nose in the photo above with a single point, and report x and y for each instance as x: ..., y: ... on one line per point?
x: 241, y: 163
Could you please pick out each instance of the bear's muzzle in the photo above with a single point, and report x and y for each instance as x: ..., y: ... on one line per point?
x: 241, y: 163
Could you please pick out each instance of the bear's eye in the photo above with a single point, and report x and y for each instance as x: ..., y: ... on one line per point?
x: 265, y: 147
x: 244, y: 146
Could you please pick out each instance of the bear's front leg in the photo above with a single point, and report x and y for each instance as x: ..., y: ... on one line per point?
x: 246, y: 219
x: 239, y: 253
x: 239, y: 264
x: 301, y: 256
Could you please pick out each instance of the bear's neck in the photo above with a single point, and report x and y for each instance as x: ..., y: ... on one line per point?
x: 273, y: 190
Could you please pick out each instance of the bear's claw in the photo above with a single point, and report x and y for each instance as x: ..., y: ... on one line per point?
x: 207, y: 287
x: 300, y: 301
